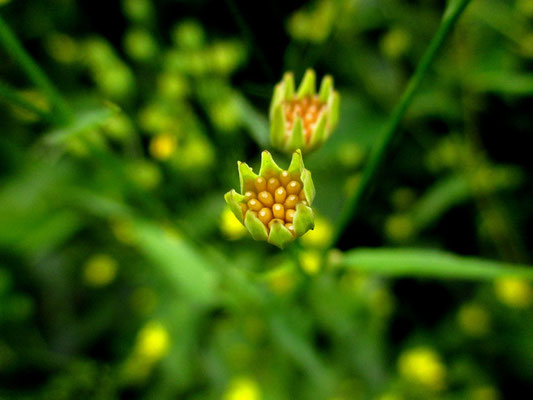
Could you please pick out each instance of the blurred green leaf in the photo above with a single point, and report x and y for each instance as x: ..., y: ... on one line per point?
x: 430, y: 264
x: 177, y: 260
x: 83, y: 122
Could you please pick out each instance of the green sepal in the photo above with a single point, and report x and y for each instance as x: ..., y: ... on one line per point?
x: 233, y: 199
x: 277, y: 97
x: 246, y: 176
x: 309, y: 187
x: 333, y: 108
x: 279, y: 235
x: 308, y: 85
x: 319, y: 133
x: 256, y: 228
x: 269, y: 167
x: 326, y: 87
x: 277, y: 127
x: 296, y: 138
x: 297, y: 164
x: 304, y: 219
x: 288, y: 84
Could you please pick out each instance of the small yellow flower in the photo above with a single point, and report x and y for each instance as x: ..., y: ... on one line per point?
x: 163, y: 146
x: 100, y: 270
x: 321, y: 236
x: 123, y: 231
x: 423, y: 365
x: 153, y: 342
x: 62, y: 48
x: 473, y: 320
x: 395, y: 43
x: 282, y: 279
x: 399, y: 228
x: 311, y: 261
x: 230, y: 226
x: 514, y: 292
x: 243, y: 388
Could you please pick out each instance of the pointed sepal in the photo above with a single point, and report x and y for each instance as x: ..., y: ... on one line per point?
x: 326, y: 88
x: 256, y: 228
x: 279, y: 235
x: 333, y: 107
x: 304, y: 219
x: 277, y: 98
x: 308, y: 85
x: 297, y: 163
x: 269, y: 167
x: 308, y: 186
x: 277, y: 127
x: 247, y: 176
x: 319, y: 134
x: 233, y: 200
x: 288, y: 83
x: 296, y: 139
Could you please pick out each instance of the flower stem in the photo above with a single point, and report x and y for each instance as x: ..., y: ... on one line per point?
x: 390, y: 131
x: 14, y: 47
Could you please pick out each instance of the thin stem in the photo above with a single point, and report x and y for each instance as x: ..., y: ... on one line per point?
x: 13, y: 97
x: 390, y: 131
x: 14, y: 47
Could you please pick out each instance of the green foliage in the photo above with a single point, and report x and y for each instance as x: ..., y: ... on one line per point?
x: 123, y: 274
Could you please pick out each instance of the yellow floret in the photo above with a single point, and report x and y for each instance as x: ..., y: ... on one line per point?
x: 243, y: 388
x: 153, y: 342
x: 163, y: 146
x: 514, y: 292
x: 311, y: 261
x: 422, y: 365
x: 320, y: 236
x: 230, y: 226
x: 100, y: 270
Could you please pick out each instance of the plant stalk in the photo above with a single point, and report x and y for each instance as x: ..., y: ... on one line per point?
x: 390, y: 131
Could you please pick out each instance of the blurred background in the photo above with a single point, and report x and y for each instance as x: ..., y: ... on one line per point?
x: 124, y: 275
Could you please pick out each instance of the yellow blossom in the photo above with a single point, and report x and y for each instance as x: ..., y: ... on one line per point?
x: 100, y: 270
x: 163, y: 146
x: 153, y: 341
x: 423, y: 365
x: 243, y: 388
x: 230, y: 226
x: 282, y: 279
x: 395, y: 43
x: 320, y: 236
x: 311, y: 261
x: 513, y: 292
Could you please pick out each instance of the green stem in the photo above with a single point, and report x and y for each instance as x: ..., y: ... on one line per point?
x: 14, y: 47
x: 12, y: 96
x: 385, y: 138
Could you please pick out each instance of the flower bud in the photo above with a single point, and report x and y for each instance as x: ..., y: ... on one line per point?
x: 275, y: 205
x: 303, y: 119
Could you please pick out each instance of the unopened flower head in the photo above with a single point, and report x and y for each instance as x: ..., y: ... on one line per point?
x: 276, y: 204
x: 303, y: 119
